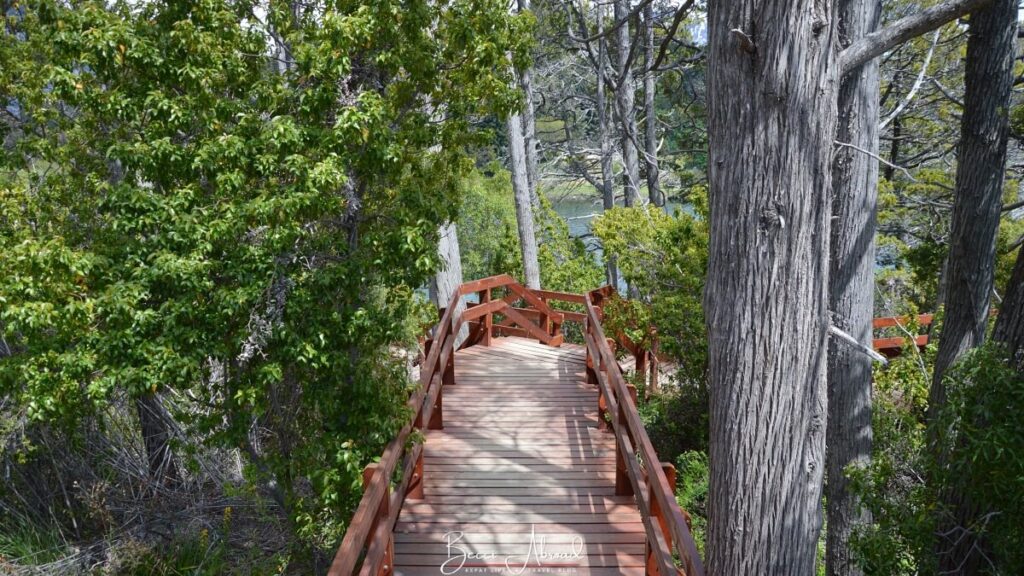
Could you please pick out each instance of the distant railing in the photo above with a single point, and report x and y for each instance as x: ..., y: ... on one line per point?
x: 368, y: 544
x: 892, y: 346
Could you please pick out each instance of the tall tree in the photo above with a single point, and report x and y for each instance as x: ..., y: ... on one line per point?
x: 524, y: 205
x: 1010, y: 322
x: 604, y: 135
x: 529, y: 121
x: 654, y: 193
x: 970, y: 266
x: 449, y: 275
x: 772, y: 110
x: 851, y: 285
x: 625, y: 100
x: 984, y: 126
x: 773, y: 83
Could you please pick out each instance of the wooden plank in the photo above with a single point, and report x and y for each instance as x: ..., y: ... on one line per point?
x: 599, y: 528
x: 608, y: 559
x: 583, y: 571
x: 504, y: 538
x: 563, y: 545
x: 519, y: 518
x: 608, y: 490
x: 892, y: 321
x: 424, y: 507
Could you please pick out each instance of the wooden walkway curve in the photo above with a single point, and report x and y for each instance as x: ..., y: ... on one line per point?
x: 525, y: 455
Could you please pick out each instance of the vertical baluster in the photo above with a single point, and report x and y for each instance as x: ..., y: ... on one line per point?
x: 437, y: 414
x: 485, y: 298
x: 623, y: 487
x: 387, y: 566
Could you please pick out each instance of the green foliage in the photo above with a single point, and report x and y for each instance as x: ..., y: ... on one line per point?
x: 664, y: 258
x: 565, y: 263
x: 489, y: 241
x: 892, y: 487
x: 487, y: 222
x: 907, y: 488
x: 982, y: 444
x: 693, y: 475
x: 178, y: 215
x: 29, y: 544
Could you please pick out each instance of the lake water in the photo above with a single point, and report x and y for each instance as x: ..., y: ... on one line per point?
x: 579, y: 213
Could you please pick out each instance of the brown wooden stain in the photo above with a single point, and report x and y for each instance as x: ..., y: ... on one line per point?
x: 513, y: 454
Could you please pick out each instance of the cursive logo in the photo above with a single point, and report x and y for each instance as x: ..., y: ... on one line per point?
x: 536, y: 555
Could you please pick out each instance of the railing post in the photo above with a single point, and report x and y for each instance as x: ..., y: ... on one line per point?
x: 545, y: 321
x: 485, y: 298
x: 437, y: 414
x: 623, y: 487
x: 415, y: 489
x: 387, y: 566
x: 602, y: 402
x: 448, y: 376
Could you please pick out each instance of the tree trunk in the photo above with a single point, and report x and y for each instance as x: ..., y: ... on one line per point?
x: 529, y: 123
x: 607, y: 190
x: 1010, y: 322
x: 447, y: 280
x: 650, y: 118
x: 772, y: 86
x: 894, y: 148
x: 851, y: 288
x: 988, y: 78
x: 156, y: 437
x: 625, y: 100
x: 524, y: 207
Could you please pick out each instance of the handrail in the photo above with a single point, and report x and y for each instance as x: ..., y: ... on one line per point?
x: 671, y: 530
x: 370, y: 533
x: 374, y: 508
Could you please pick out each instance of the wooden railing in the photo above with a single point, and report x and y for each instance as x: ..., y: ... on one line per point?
x: 639, y: 472
x: 892, y: 346
x: 368, y: 546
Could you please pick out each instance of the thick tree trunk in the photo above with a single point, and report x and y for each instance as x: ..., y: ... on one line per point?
x: 447, y: 280
x: 529, y: 123
x: 988, y: 78
x: 524, y: 206
x: 625, y: 100
x: 605, y: 134
x: 156, y: 437
x: 851, y: 288
x: 650, y: 118
x: 1010, y: 322
x: 772, y: 85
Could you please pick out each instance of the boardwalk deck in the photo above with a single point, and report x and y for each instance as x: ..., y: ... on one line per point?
x: 520, y: 458
x: 503, y: 469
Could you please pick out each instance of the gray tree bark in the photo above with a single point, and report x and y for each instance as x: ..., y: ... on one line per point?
x: 524, y: 205
x: 851, y: 287
x: 772, y: 86
x: 981, y: 165
x: 988, y: 78
x: 625, y: 100
x: 447, y: 280
x: 654, y: 193
x: 156, y: 438
x: 529, y: 123
x: 604, y: 129
x: 1010, y: 322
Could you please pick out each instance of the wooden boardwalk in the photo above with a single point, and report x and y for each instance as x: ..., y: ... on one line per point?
x: 520, y: 459
x: 524, y: 455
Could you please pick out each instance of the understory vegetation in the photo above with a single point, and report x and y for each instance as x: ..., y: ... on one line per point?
x: 220, y: 224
